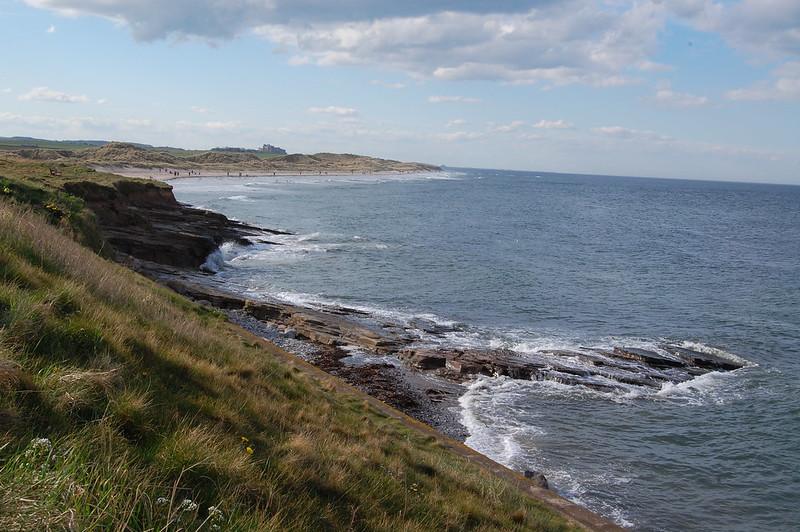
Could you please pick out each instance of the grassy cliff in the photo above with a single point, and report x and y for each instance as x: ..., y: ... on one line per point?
x: 124, y: 406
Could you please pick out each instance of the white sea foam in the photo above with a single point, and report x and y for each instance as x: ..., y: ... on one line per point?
x: 711, y: 388
x: 238, y: 198
x: 481, y: 398
x: 215, y: 262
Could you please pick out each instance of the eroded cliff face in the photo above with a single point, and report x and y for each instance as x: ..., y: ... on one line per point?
x: 144, y: 220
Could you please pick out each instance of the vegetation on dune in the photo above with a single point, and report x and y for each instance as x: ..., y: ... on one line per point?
x: 125, y: 406
x: 103, y: 153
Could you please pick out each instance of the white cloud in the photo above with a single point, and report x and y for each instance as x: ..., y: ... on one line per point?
x: 624, y: 133
x: 54, y: 124
x: 102, y: 101
x: 459, y: 136
x: 138, y: 122
x: 215, y: 19
x: 7, y: 90
x: 784, y: 85
x: 575, y: 41
x: 553, y: 124
x: 595, y: 42
x: 507, y: 128
x: 517, y: 41
x: 453, y: 99
x: 456, y: 123
x: 651, y: 66
x: 387, y: 84
x: 334, y: 110
x: 51, y: 29
x: 199, y: 110
x: 222, y: 125
x: 44, y: 94
x: 210, y: 126
x: 670, y: 98
x: 762, y: 27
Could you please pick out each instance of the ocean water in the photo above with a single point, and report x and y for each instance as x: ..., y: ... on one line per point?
x: 531, y: 261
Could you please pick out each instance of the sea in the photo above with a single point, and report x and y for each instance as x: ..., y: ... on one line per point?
x: 532, y: 261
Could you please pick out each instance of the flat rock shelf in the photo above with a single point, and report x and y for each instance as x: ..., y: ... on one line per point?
x: 344, y: 328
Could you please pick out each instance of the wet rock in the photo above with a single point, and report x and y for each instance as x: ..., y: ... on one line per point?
x: 538, y: 479
x: 651, y: 358
x: 426, y: 359
x: 436, y: 395
x: 431, y: 327
x: 702, y: 360
x: 605, y: 371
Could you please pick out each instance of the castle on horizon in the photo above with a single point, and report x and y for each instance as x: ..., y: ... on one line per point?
x: 266, y: 148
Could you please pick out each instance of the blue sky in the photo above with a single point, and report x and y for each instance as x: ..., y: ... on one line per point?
x: 673, y: 88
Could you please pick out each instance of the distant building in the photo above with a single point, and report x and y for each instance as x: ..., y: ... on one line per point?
x: 266, y: 148
x: 269, y: 148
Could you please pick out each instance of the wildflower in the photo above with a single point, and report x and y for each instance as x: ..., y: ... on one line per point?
x: 249, y: 450
x: 245, y: 439
x: 215, y: 518
x: 415, y: 487
x: 187, y: 505
x: 6, y: 190
x: 40, y: 453
x: 161, y: 501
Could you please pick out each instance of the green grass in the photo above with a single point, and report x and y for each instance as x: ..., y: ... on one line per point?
x: 125, y: 406
x: 16, y: 143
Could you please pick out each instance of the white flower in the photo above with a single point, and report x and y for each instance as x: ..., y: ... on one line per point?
x: 40, y: 453
x: 187, y: 506
x: 161, y: 501
x: 215, y: 518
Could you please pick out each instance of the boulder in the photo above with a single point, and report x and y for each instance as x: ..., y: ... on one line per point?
x: 538, y: 479
x: 426, y: 359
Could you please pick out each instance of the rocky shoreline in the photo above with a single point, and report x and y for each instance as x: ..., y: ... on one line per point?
x: 394, y: 362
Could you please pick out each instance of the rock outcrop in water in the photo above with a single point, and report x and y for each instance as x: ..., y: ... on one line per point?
x: 144, y: 220
x: 599, y: 369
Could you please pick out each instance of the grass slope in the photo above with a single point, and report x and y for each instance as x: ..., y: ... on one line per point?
x: 124, y: 406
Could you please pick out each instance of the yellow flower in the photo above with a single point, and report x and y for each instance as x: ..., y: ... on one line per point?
x: 249, y: 450
x: 245, y: 440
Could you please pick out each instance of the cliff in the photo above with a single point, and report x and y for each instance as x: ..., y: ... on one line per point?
x: 126, y: 406
x: 143, y: 220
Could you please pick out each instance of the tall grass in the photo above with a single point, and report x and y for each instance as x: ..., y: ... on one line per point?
x: 126, y: 407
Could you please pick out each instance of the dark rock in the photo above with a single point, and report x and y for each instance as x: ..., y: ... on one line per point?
x: 143, y: 220
x: 423, y: 358
x: 538, y: 479
x: 651, y: 358
x: 702, y: 360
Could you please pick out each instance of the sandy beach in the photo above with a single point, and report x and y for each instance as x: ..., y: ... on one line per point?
x: 168, y: 174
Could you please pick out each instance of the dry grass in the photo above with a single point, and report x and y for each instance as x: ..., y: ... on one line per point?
x: 148, y: 400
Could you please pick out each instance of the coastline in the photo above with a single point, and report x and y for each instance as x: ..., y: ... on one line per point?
x: 420, y: 399
x: 141, y: 172
x: 395, y: 391
x: 142, y: 227
x: 423, y: 380
x: 323, y: 323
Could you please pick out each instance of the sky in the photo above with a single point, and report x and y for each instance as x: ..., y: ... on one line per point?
x: 698, y: 89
